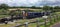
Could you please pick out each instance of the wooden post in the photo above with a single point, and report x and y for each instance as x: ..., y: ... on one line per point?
x: 26, y: 24
x: 38, y: 25
x: 57, y: 17
x: 12, y: 18
x: 50, y: 20
x: 54, y: 18
x: 45, y: 23
x: 45, y: 18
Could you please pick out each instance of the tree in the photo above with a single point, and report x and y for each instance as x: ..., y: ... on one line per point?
x: 33, y: 7
x: 4, y: 6
x: 57, y: 8
x: 46, y: 8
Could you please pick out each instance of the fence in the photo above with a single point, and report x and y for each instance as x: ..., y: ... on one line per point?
x: 47, y: 22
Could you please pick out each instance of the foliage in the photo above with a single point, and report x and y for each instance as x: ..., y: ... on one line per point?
x: 34, y: 7
x: 46, y: 8
x: 4, y: 6
x: 56, y: 7
x: 53, y: 9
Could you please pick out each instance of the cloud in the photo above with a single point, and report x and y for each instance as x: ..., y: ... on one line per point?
x: 48, y: 2
x: 30, y: 2
x: 19, y: 2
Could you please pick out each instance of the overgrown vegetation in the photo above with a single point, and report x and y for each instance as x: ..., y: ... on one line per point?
x: 46, y: 7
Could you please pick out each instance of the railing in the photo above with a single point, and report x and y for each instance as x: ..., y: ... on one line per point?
x: 51, y: 19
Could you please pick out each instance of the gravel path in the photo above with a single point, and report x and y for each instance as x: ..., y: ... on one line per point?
x: 56, y: 25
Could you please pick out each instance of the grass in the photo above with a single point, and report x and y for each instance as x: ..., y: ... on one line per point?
x: 7, y: 25
x: 32, y: 25
x: 2, y: 16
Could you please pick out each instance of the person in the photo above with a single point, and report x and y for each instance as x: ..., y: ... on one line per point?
x: 23, y: 14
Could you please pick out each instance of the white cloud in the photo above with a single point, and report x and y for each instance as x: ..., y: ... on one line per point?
x: 19, y: 1
x: 26, y: 2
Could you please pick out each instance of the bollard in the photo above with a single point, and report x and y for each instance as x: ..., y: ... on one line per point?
x: 26, y: 24
x: 37, y: 23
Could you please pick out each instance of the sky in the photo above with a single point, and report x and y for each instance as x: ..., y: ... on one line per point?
x: 31, y: 2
